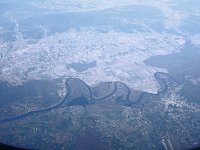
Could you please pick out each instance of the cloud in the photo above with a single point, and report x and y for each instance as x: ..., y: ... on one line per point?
x: 119, y: 57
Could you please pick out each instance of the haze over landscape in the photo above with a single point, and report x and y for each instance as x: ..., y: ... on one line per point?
x: 91, y: 74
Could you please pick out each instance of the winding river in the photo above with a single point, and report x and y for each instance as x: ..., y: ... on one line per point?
x: 131, y: 103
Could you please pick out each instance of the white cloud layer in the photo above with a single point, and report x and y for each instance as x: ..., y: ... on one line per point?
x: 119, y: 57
